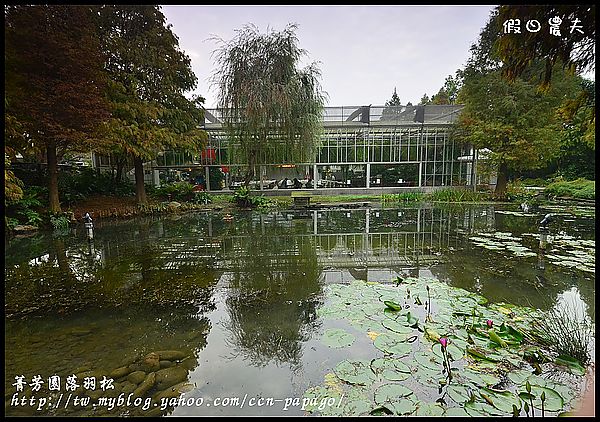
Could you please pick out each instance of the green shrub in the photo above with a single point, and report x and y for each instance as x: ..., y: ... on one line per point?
x: 77, y: 186
x: 580, y: 188
x: 516, y: 191
x: 10, y: 223
x: 59, y: 221
x: 26, y: 209
x: 178, y: 191
x: 242, y: 197
x: 202, y: 197
x: 261, y: 202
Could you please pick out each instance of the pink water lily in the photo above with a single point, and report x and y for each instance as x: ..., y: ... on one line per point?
x: 444, y: 342
x: 490, y: 323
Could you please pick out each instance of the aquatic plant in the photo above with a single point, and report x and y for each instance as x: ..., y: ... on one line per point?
x: 444, y: 342
x: 482, y: 366
x: 568, y: 330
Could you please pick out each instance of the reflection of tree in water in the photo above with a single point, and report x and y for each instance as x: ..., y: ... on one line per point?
x: 139, y: 273
x: 273, y: 297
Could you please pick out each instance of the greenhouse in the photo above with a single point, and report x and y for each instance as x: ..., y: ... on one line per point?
x: 361, y: 148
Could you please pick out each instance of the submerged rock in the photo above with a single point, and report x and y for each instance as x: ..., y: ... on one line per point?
x: 146, y: 385
x: 171, y: 354
x: 120, y: 372
x: 151, y: 363
x: 170, y: 376
x: 136, y: 377
x: 128, y: 387
x: 173, y: 391
x: 166, y: 364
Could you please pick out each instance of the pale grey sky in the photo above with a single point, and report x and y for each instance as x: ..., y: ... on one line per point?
x: 364, y: 51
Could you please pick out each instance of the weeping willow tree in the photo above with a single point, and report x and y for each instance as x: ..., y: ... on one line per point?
x: 271, y: 108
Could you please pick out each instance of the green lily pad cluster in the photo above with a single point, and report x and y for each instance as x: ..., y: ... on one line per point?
x: 569, y: 251
x: 501, y: 241
x: 494, y: 366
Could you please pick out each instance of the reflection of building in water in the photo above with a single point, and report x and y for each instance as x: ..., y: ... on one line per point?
x: 349, y: 244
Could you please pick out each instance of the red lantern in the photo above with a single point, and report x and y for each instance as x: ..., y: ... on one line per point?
x: 225, y: 169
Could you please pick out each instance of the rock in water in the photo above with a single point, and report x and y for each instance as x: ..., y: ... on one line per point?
x: 171, y: 354
x: 151, y: 363
x: 146, y: 385
x: 170, y: 376
x: 136, y: 377
x: 120, y: 372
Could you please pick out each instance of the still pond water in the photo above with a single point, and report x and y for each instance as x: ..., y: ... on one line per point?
x: 236, y: 301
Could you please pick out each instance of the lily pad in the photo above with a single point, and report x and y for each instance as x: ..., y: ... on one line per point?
x: 391, y: 369
x: 518, y: 376
x: 456, y: 411
x: 357, y: 402
x: 503, y: 400
x: 391, y: 392
x: 392, y: 344
x: 571, y: 363
x: 357, y: 407
x: 403, y: 406
x: 337, y: 338
x: 316, y: 395
x: 396, y: 326
x: 355, y: 372
x: 429, y: 360
x: 459, y: 393
x: 482, y: 409
x: 553, y: 403
x: 429, y: 409
x: 480, y: 379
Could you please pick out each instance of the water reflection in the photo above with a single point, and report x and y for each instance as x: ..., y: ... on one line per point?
x: 273, y: 294
x: 253, y: 283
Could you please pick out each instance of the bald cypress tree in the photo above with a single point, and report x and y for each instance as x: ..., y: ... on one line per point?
x: 54, y: 84
x: 149, y: 75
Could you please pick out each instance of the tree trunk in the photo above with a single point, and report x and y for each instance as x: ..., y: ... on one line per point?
x: 250, y: 173
x: 502, y: 181
x: 54, y: 202
x: 140, y: 189
x: 120, y: 165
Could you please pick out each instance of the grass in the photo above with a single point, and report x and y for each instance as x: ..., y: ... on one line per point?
x: 346, y: 198
x: 403, y: 197
x: 579, y: 189
x: 458, y: 195
x: 440, y: 195
x: 568, y: 330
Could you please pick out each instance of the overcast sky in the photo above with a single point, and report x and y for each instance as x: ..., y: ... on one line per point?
x: 363, y: 51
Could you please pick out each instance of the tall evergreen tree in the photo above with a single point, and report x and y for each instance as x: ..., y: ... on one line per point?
x: 392, y: 107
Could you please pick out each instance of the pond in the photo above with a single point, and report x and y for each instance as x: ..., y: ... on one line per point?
x: 240, y: 314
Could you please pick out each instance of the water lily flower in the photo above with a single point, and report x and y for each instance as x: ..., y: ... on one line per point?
x: 444, y: 342
x: 490, y: 323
